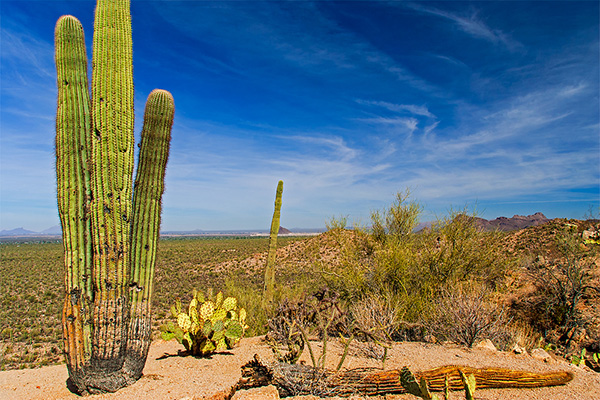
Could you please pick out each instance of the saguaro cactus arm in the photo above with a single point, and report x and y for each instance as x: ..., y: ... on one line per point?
x: 73, y: 183
x: 149, y: 187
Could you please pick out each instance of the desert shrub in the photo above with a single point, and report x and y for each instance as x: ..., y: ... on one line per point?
x: 455, y: 249
x: 376, y: 320
x: 250, y: 298
x: 398, y: 221
x: 249, y: 291
x: 379, y: 316
x: 354, y: 258
x: 319, y: 315
x: 284, y: 336
x: 466, y: 314
x: 562, y: 286
x: 520, y: 334
x: 337, y: 223
x: 408, y: 269
x: 377, y: 262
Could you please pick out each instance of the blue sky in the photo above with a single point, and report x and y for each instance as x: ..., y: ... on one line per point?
x: 486, y: 105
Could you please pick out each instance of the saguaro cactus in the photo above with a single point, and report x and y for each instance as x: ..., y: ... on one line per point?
x: 270, y: 267
x: 109, y: 238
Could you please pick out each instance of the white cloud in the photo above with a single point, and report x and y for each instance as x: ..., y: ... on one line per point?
x: 471, y: 25
x: 23, y: 50
x: 430, y: 128
x: 410, y: 108
x: 409, y: 123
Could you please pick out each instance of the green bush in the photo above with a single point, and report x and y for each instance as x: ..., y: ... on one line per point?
x: 411, y: 270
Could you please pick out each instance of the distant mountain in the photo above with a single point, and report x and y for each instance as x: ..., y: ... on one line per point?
x: 16, y: 232
x: 512, y: 224
x: 53, y: 230
x: 505, y: 224
x: 423, y: 225
x: 250, y: 232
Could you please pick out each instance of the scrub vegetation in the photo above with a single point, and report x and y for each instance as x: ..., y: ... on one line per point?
x: 531, y: 288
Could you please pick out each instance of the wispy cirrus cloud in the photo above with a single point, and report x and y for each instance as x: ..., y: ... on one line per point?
x: 471, y: 24
x: 410, y: 124
x: 347, y: 103
x: 214, y: 164
x: 515, y: 148
x: 281, y: 38
x: 22, y: 49
x: 409, y: 108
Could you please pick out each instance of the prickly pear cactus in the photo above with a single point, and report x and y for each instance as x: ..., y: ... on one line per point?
x: 208, y: 326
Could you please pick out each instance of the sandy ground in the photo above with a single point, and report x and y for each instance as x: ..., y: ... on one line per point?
x: 170, y: 376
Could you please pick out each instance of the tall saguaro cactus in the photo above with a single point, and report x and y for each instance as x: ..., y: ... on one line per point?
x: 270, y: 267
x: 109, y: 235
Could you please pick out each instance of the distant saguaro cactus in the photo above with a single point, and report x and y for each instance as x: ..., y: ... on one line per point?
x: 270, y: 267
x: 109, y: 236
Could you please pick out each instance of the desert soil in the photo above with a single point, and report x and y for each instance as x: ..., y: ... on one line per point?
x: 168, y: 375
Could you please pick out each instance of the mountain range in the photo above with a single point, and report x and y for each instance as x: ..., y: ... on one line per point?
x: 512, y: 224
x: 516, y: 222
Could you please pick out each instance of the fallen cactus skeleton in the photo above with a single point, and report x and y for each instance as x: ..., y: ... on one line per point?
x: 296, y: 379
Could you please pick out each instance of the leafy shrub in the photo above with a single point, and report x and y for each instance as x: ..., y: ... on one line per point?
x: 398, y: 221
x: 209, y: 325
x: 409, y: 269
x: 455, y: 249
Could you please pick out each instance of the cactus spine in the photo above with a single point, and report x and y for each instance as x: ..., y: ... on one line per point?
x: 270, y: 267
x: 110, y: 243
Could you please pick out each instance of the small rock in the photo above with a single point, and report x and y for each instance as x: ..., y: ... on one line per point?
x: 541, y: 354
x: 486, y: 344
x: 518, y: 349
x: 260, y: 393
